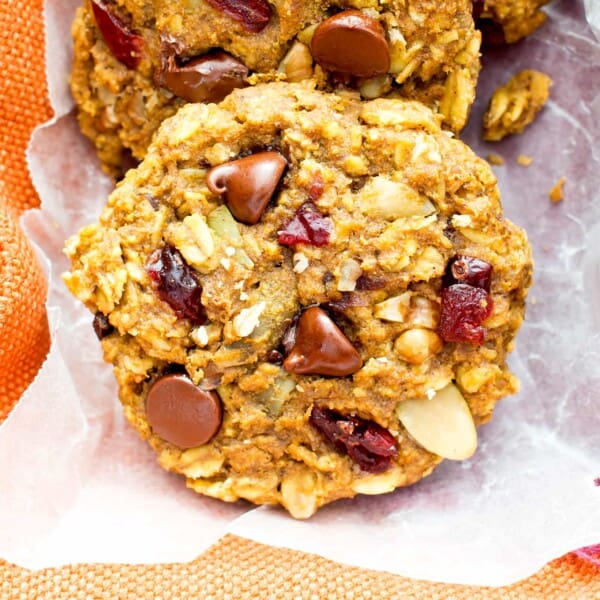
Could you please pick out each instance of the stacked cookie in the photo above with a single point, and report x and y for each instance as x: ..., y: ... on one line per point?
x: 307, y: 287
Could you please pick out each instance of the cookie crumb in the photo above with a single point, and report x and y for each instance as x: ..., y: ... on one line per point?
x: 556, y: 194
x: 495, y: 159
x: 524, y: 160
x: 516, y: 104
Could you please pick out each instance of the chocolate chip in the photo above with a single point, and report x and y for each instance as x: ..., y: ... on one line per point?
x: 181, y: 413
x: 207, y: 78
x: 247, y: 184
x: 321, y: 348
x: 351, y: 42
x: 102, y: 327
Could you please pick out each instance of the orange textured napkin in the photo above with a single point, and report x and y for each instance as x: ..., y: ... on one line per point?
x: 234, y: 568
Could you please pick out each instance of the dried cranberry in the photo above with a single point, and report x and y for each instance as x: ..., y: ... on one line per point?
x: 317, y: 187
x: 125, y: 44
x: 308, y: 226
x: 464, y: 309
x: 370, y: 282
x: 254, y: 15
x: 102, y: 327
x: 371, y: 446
x: 177, y: 284
x: 470, y: 270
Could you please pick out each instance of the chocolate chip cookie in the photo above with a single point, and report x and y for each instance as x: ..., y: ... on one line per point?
x: 508, y: 21
x: 305, y: 296
x: 137, y: 61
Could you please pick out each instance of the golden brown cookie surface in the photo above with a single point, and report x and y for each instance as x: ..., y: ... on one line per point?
x: 136, y: 62
x: 508, y: 21
x: 349, y: 339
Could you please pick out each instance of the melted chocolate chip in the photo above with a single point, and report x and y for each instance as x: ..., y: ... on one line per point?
x: 181, y: 413
x: 353, y: 43
x: 102, y: 327
x: 208, y: 78
x: 248, y: 184
x: 321, y: 348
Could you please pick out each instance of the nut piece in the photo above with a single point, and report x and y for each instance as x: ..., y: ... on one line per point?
x: 394, y: 309
x: 297, y: 64
x: 248, y: 319
x: 350, y: 271
x: 380, y: 483
x: 443, y: 424
x: 516, y: 104
x: 298, y: 494
x: 388, y: 199
x: 415, y: 346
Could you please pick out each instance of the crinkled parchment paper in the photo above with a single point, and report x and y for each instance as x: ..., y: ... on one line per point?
x: 76, y: 484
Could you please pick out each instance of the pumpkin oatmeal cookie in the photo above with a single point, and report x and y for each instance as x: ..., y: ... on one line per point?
x: 305, y: 296
x: 137, y: 61
x: 515, y: 105
x: 508, y: 21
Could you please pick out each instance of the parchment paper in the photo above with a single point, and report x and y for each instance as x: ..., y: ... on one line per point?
x: 76, y: 484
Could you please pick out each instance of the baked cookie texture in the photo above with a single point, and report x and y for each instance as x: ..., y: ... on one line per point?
x: 136, y: 62
x: 508, y: 21
x: 515, y: 105
x: 348, y: 338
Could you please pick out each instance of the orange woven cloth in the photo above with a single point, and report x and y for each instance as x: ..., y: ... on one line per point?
x: 234, y: 568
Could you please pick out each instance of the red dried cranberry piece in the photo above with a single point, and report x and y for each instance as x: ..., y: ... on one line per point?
x: 125, y: 44
x: 371, y: 446
x: 469, y: 270
x: 308, y: 226
x: 254, y: 15
x: 316, y: 188
x: 370, y: 282
x: 176, y: 283
x: 464, y: 309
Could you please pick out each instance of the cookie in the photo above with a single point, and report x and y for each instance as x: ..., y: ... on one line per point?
x: 515, y: 105
x: 508, y: 21
x: 305, y: 296
x: 136, y: 62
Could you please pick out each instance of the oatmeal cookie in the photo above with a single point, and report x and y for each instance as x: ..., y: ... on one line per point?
x: 515, y: 105
x: 305, y: 296
x: 137, y: 61
x: 508, y: 21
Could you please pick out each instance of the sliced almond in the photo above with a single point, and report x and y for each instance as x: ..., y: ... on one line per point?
x: 442, y: 424
x: 388, y: 199
x: 380, y: 483
x: 393, y: 309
